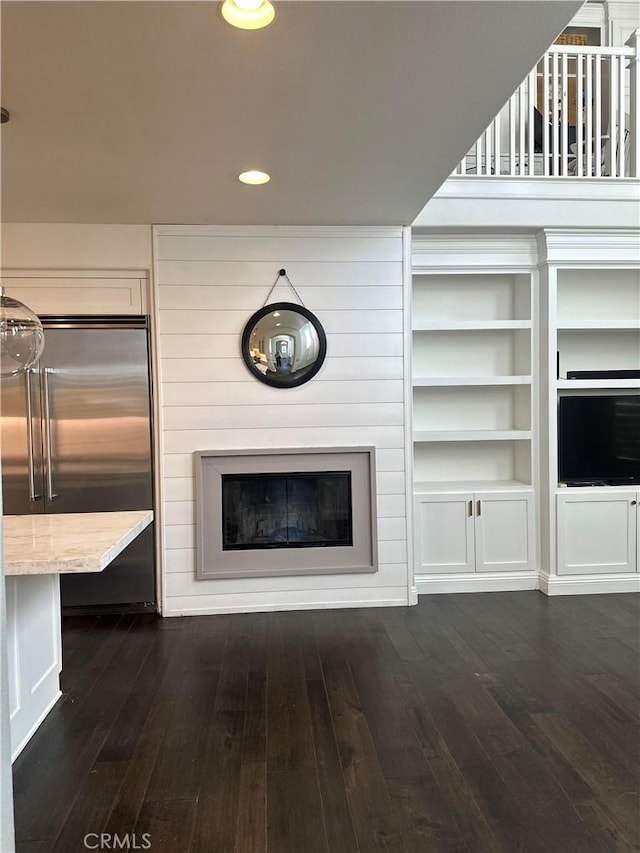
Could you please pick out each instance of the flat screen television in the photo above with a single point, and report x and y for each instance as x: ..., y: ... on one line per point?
x: 599, y: 439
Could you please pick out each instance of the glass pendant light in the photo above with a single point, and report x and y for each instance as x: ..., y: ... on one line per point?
x: 21, y: 336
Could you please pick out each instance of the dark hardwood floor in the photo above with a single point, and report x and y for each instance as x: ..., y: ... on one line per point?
x: 492, y: 722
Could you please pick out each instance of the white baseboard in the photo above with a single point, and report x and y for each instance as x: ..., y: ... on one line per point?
x: 301, y: 605
x: 452, y: 583
x: 485, y: 582
x: 588, y: 584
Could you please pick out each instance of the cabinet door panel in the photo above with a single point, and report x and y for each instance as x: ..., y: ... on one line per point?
x: 35, y: 652
x: 58, y: 294
x: 444, y: 533
x: 504, y: 532
x: 597, y: 533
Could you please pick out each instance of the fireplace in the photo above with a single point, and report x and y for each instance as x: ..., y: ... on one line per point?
x: 285, y: 512
x: 307, y: 510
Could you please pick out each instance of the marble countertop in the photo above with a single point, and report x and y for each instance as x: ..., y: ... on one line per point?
x: 69, y: 542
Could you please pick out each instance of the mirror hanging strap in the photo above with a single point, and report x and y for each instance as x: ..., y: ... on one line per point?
x: 283, y: 273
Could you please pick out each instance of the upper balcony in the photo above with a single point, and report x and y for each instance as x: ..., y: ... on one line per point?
x: 575, y: 116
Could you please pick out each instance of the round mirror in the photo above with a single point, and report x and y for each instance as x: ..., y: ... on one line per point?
x: 284, y: 345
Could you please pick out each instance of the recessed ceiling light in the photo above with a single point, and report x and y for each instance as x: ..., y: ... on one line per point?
x: 248, y: 14
x: 253, y: 176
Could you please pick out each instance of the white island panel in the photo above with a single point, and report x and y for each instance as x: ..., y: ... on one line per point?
x: 34, y: 652
x: 37, y: 549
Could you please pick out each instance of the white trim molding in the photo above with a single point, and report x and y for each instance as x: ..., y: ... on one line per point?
x: 583, y: 585
x: 408, y: 406
x: 614, y: 247
x: 376, y: 231
x: 476, y: 582
x: 529, y: 188
x: 465, y: 203
x: 78, y: 272
x: 272, y: 607
x: 590, y: 15
x: 459, y: 251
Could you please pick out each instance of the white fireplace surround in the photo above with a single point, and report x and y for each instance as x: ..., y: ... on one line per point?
x: 212, y: 562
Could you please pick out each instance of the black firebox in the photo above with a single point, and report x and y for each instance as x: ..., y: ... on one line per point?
x: 300, y: 510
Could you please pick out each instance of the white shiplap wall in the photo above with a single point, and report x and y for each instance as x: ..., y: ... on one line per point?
x: 209, y: 280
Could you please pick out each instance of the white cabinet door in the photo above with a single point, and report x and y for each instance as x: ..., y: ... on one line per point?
x: 444, y: 533
x: 504, y: 531
x: 57, y: 293
x: 597, y: 533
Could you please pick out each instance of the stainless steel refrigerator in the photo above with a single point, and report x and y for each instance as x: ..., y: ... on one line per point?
x: 76, y: 437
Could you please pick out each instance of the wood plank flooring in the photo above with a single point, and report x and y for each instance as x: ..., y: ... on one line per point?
x: 488, y: 723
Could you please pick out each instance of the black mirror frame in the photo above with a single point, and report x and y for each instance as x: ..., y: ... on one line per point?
x: 283, y: 306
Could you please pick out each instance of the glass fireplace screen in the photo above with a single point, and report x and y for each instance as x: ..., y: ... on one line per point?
x: 286, y: 510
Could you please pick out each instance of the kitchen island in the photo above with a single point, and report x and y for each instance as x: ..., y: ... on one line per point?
x: 37, y: 550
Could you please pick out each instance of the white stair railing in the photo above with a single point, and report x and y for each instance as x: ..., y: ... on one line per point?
x: 575, y: 115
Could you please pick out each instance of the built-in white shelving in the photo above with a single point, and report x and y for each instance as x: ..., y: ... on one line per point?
x: 486, y: 486
x: 472, y: 376
x: 589, y: 534
x: 587, y: 384
x: 598, y: 326
x: 598, y: 298
x: 469, y: 325
x: 472, y: 423
x: 472, y: 435
x: 434, y: 381
x: 493, y: 341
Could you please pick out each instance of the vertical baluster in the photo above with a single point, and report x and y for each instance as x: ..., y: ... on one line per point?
x: 597, y: 137
x: 554, y: 116
x: 589, y: 117
x: 634, y: 107
x: 579, y: 115
x: 512, y: 134
x: 613, y: 117
x: 544, y: 109
x: 531, y: 81
x: 487, y: 143
x: 594, y: 152
x: 622, y: 118
x: 564, y: 113
x: 496, y: 142
x: 521, y: 133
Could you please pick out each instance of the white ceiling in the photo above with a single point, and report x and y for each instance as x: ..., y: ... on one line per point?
x: 145, y: 112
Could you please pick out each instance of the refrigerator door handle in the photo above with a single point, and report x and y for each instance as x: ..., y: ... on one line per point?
x: 44, y: 379
x: 33, y: 496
